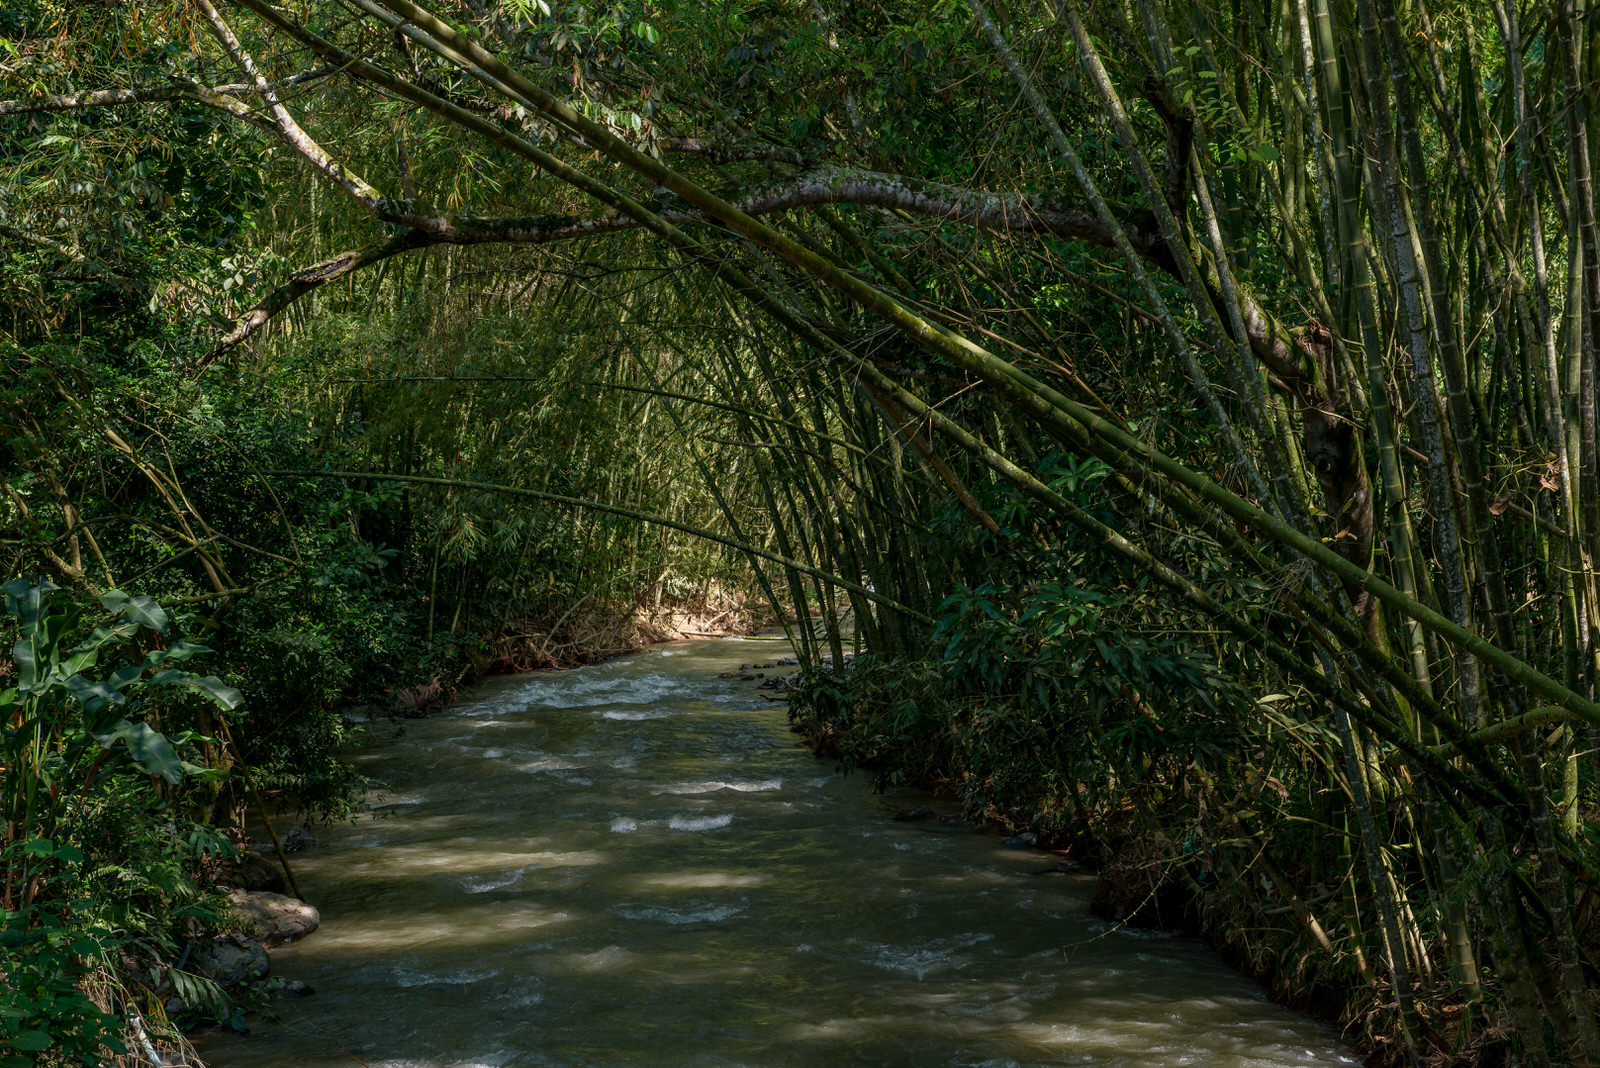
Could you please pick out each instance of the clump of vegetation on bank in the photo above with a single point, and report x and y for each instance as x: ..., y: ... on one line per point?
x: 103, y: 788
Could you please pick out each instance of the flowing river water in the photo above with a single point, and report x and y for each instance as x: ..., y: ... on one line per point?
x: 634, y: 864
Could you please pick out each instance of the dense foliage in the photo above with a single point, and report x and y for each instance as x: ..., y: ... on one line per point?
x: 1189, y: 407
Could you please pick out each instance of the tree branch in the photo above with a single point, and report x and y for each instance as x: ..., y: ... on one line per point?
x: 94, y: 270
x: 718, y: 152
x: 356, y: 187
x: 1009, y: 212
x: 309, y: 279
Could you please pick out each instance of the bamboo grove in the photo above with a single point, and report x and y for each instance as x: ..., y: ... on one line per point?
x: 1271, y: 323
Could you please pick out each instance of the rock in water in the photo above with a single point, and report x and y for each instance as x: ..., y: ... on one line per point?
x: 233, y: 959
x: 1025, y: 840
x: 297, y: 839
x: 274, y: 918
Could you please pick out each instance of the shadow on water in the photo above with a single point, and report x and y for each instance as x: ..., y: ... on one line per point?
x: 632, y: 863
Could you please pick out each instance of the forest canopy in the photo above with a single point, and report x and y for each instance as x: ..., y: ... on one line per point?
x: 1186, y: 409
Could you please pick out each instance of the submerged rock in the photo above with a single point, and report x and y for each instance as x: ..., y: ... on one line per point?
x: 1060, y: 869
x: 1025, y: 840
x: 294, y: 988
x: 232, y: 960
x: 274, y: 918
x: 916, y: 815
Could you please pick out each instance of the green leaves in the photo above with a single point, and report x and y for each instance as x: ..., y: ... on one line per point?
x: 222, y: 695
x: 32, y: 1041
x: 93, y: 694
x: 112, y: 705
x: 147, y: 748
x: 136, y: 609
x: 44, y: 847
x: 26, y: 602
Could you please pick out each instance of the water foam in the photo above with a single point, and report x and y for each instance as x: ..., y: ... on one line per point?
x: 482, y: 884
x: 699, y: 823
x: 582, y: 689
x: 679, y: 917
x: 548, y: 764
x: 718, y: 784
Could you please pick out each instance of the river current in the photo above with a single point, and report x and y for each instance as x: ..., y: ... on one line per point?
x: 633, y: 864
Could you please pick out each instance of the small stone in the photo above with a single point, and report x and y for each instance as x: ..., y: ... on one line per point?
x: 295, y: 988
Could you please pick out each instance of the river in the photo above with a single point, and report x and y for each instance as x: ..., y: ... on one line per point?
x: 633, y: 864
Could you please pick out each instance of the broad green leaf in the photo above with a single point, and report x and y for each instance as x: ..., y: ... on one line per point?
x: 121, y: 677
x: 86, y: 652
x: 136, y: 608
x: 148, y: 748
x: 93, y: 694
x: 27, y: 601
x: 174, y: 653
x: 32, y: 1041
x: 222, y: 694
x: 26, y: 659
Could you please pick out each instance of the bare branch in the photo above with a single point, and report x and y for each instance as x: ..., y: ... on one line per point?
x: 95, y: 98
x: 149, y: 94
x: 153, y: 94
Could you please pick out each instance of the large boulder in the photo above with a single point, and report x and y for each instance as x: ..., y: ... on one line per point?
x: 232, y: 960
x: 252, y: 871
x: 274, y: 919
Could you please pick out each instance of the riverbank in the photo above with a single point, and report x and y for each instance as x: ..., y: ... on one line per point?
x: 1169, y: 853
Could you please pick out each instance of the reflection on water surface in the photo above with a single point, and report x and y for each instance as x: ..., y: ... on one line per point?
x: 632, y: 864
